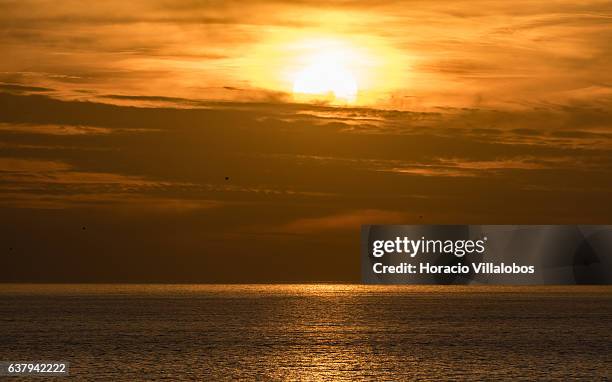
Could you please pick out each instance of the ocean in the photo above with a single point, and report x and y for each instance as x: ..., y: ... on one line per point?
x: 310, y: 332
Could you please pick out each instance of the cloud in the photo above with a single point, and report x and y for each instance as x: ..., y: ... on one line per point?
x: 116, y: 202
x: 52, y: 129
x: 31, y: 183
x: 452, y: 54
x: 271, y: 152
x: 456, y: 167
x: 168, y: 131
x: 281, y: 184
x: 347, y: 221
x: 18, y: 165
x: 22, y: 89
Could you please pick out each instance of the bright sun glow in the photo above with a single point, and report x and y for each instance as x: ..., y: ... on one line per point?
x: 329, y: 68
x: 326, y: 75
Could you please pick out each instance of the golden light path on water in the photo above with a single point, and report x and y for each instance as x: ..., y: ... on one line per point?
x: 312, y: 332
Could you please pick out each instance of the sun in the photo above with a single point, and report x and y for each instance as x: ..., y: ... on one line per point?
x: 326, y: 76
x: 329, y: 68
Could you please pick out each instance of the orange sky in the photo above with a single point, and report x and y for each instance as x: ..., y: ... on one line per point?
x: 120, y: 121
x: 406, y: 54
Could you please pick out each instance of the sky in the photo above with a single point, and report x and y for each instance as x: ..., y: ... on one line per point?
x: 226, y: 141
